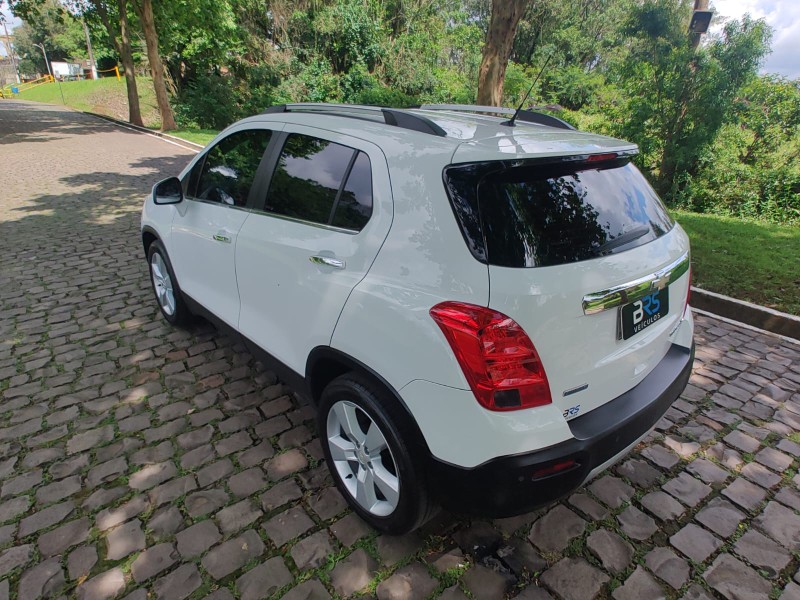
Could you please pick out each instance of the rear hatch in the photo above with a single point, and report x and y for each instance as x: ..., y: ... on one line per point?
x: 584, y: 256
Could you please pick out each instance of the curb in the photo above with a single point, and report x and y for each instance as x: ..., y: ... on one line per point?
x: 165, y: 136
x: 761, y: 317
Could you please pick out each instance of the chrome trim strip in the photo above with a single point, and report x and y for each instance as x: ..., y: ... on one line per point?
x: 598, y: 302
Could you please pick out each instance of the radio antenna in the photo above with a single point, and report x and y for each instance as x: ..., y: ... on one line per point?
x: 512, y: 121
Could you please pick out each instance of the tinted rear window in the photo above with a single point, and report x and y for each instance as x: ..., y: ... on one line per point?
x: 549, y: 215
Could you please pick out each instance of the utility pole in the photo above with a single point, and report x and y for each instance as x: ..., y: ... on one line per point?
x: 89, y: 47
x: 701, y: 18
x: 50, y: 72
x: 11, y: 53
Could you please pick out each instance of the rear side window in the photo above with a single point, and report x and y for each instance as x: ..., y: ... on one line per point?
x: 546, y: 215
x: 321, y: 182
x: 229, y: 168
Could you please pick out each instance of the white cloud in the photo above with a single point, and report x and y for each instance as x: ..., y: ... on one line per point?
x: 784, y: 18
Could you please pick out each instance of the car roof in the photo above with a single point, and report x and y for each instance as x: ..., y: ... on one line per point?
x: 466, y: 135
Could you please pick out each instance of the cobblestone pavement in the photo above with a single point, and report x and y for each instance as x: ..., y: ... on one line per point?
x: 137, y: 460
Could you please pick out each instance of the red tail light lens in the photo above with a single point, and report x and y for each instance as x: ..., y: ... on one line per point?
x: 496, y: 355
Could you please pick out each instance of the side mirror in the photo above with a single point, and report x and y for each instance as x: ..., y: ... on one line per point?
x: 169, y: 191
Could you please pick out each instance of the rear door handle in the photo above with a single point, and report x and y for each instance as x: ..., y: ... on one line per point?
x: 327, y: 261
x: 222, y: 237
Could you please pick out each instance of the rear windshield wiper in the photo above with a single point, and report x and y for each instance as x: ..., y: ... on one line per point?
x: 621, y: 240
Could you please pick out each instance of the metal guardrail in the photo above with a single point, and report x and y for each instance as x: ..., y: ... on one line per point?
x: 12, y: 89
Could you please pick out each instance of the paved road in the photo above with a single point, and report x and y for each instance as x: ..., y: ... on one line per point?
x: 137, y: 460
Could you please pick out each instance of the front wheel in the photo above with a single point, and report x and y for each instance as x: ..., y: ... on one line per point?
x: 165, y: 286
x: 371, y: 456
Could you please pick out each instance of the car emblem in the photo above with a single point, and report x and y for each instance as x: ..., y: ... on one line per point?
x: 660, y: 283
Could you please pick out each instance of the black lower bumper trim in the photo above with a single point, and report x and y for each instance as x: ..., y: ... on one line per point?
x: 507, y: 486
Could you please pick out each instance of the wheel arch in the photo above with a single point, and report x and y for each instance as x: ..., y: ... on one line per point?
x: 325, y: 364
x: 149, y: 235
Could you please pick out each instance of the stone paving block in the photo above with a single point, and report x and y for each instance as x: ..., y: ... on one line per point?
x: 12, y: 558
x: 195, y: 540
x: 588, y: 506
x: 264, y: 580
x: 237, y: 516
x: 111, y: 517
x: 745, y: 494
x: 311, y: 552
x: 349, y: 529
x: 734, y: 579
x: 721, y: 517
x: 172, y: 490
x: 248, y: 482
x: 742, y: 441
x: 668, y: 566
x: 553, y: 531
x: 574, y: 579
x: 280, y: 494
x: 483, y: 582
x: 707, y: 471
x: 660, y: 456
x: 287, y: 525
x: 639, y: 472
x: 781, y: 524
x: 229, y: 556
x: 165, y: 522
x: 662, y: 505
x: 124, y: 540
x: 353, y: 573
x: 636, y: 524
x: 44, y: 580
x: 80, y: 561
x: 774, y: 459
x: 308, y: 590
x: 762, y: 552
x: 152, y: 475
x: 153, y: 454
x: 759, y: 474
x: 687, y: 489
x: 286, y: 464
x: 454, y: 593
x: 178, y: 584
x: 214, y: 472
x: 205, y: 502
x: 153, y: 561
x: 695, y: 542
x: 104, y: 586
x: 13, y: 508
x: 57, y: 540
x: 327, y: 503
x: 613, y: 552
x: 611, y: 491
x: 255, y: 455
x: 639, y: 586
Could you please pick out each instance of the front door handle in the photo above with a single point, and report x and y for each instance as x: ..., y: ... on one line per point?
x: 221, y: 237
x: 327, y: 261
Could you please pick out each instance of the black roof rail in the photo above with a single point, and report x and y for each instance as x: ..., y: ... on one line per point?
x: 391, y: 116
x: 528, y: 116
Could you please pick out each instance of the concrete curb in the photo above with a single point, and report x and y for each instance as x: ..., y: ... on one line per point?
x: 165, y: 136
x: 745, y: 312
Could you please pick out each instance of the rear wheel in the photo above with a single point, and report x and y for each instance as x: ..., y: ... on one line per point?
x: 165, y: 286
x: 370, y: 454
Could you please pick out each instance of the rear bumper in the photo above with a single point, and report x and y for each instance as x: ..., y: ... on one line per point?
x: 507, y: 486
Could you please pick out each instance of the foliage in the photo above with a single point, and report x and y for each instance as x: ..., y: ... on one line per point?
x: 51, y: 25
x: 713, y: 136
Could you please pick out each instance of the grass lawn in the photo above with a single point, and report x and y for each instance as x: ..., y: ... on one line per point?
x: 748, y: 260
x: 108, y: 96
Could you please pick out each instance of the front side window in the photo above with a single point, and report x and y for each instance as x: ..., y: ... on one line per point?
x: 229, y: 168
x: 321, y: 182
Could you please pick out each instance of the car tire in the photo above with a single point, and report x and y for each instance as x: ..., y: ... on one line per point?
x: 386, y: 486
x: 165, y: 286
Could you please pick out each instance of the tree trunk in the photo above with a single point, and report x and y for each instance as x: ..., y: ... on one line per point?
x: 145, y: 11
x: 122, y: 44
x: 503, y: 23
x: 694, y: 38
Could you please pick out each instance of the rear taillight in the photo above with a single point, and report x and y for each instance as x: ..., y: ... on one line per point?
x: 688, y: 293
x: 496, y: 355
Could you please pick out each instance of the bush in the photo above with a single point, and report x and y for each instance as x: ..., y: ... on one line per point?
x: 209, y: 102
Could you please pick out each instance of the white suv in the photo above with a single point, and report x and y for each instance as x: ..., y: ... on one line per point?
x: 485, y: 313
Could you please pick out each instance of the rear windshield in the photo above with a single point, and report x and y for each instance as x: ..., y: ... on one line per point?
x: 545, y: 215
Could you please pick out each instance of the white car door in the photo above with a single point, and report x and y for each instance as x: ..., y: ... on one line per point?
x: 206, y: 225
x: 299, y: 255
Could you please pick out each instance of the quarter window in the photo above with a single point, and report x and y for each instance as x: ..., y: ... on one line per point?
x: 228, y: 171
x: 311, y: 183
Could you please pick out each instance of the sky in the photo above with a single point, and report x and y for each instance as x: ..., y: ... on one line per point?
x: 784, y: 18
x: 782, y: 15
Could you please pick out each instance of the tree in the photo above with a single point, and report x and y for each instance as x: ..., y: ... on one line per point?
x: 144, y: 8
x: 47, y: 22
x: 503, y: 23
x: 121, y: 38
